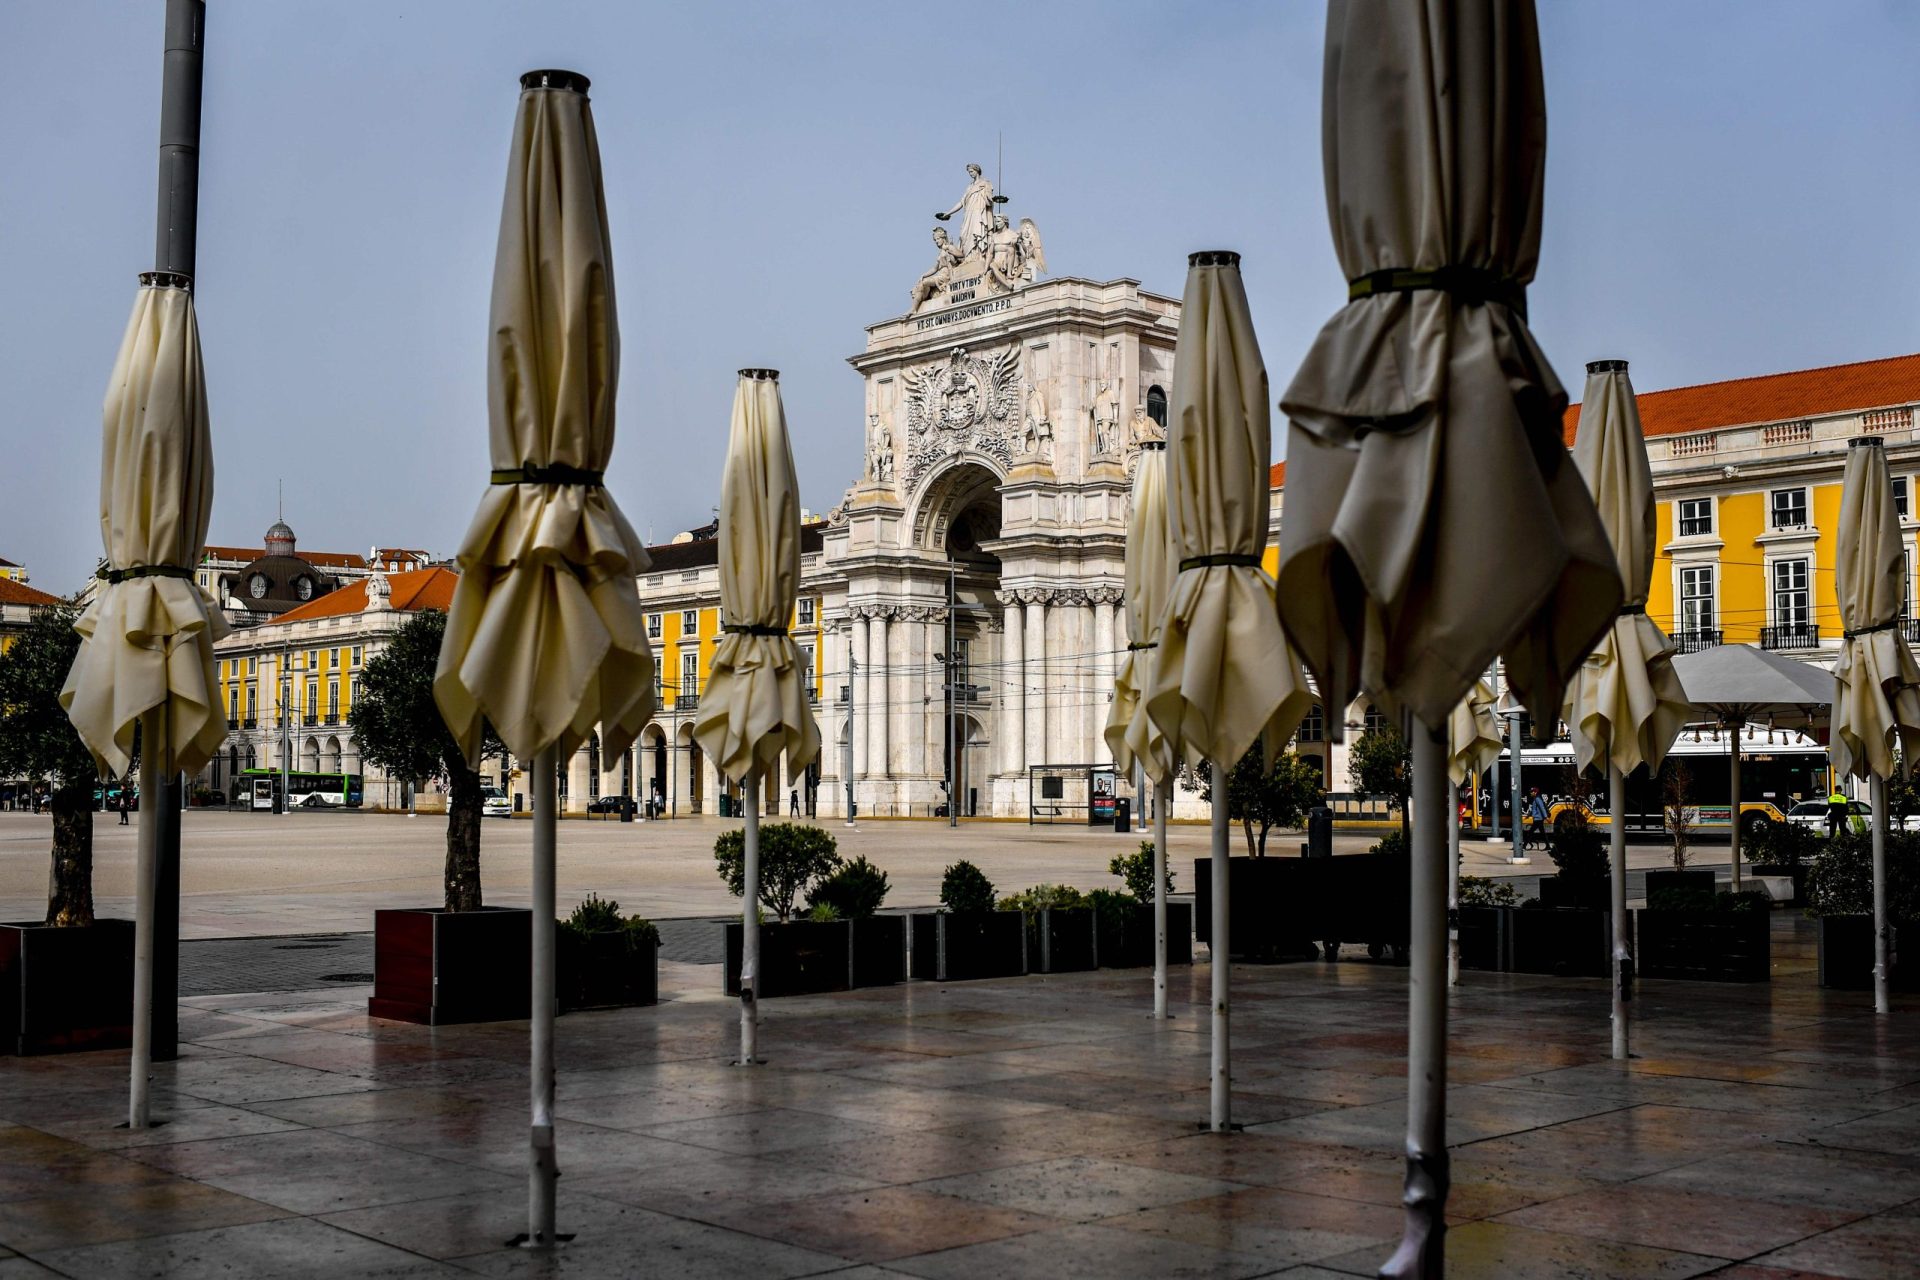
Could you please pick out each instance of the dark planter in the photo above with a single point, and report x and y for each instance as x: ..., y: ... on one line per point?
x: 879, y: 957
x: 63, y: 990
x: 951, y: 946
x: 1705, y: 946
x: 436, y: 966
x: 798, y: 958
x: 1061, y: 940
x: 605, y: 971
x: 1698, y: 881
x: 1588, y: 895
x: 1795, y: 871
x: 1846, y: 954
x: 1568, y: 942
x: 1124, y: 937
x: 1485, y: 938
x: 1282, y: 907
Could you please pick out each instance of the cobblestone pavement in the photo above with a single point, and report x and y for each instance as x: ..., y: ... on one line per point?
x: 1039, y: 1126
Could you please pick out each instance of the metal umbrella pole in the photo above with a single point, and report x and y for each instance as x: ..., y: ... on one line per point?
x: 1733, y: 797
x: 1622, y: 931
x: 152, y: 747
x: 1453, y: 883
x: 544, y: 1167
x: 750, y: 923
x: 1162, y: 798
x: 1221, y: 950
x: 1877, y: 798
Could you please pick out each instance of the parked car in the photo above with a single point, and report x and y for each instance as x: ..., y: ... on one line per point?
x: 605, y: 804
x: 1813, y: 815
x: 494, y: 804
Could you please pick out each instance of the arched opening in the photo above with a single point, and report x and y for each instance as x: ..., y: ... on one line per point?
x: 593, y: 766
x: 1157, y: 405
x: 972, y: 774
x: 693, y: 786
x: 311, y: 758
x: 652, y: 785
x: 333, y: 754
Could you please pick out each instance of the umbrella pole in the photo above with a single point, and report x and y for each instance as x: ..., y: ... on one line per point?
x: 1453, y: 883
x: 1733, y: 806
x: 544, y: 1168
x: 147, y: 845
x: 1877, y: 797
x: 1422, y: 1245
x: 1617, y: 867
x: 1162, y: 797
x: 1220, y: 950
x: 750, y: 923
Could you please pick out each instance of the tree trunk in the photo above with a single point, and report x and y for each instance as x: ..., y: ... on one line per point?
x: 1261, y: 851
x: 70, y: 886
x: 463, y: 838
x: 1406, y: 834
x: 1253, y: 850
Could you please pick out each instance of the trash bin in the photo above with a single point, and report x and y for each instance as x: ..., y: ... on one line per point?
x: 1320, y: 832
x: 1123, y: 815
x: 726, y: 805
x: 626, y: 809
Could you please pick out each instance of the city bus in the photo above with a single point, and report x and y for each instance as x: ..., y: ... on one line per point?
x: 313, y: 790
x: 1778, y: 768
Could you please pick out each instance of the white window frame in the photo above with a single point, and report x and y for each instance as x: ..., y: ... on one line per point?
x: 690, y: 622
x: 806, y: 611
x: 1902, y: 496
x: 1680, y: 518
x: 1773, y: 509
x: 1689, y: 622
x: 689, y: 663
x: 1781, y: 608
x: 655, y: 624
x: 806, y: 668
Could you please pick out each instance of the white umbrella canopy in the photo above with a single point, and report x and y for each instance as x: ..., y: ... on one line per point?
x: 1224, y: 675
x: 755, y: 704
x: 1876, y: 704
x: 1474, y: 739
x: 147, y: 638
x: 546, y: 637
x: 1130, y: 732
x: 1625, y: 704
x: 1434, y: 520
x: 146, y: 641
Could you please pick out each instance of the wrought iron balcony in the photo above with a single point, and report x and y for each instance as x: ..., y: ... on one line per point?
x: 1910, y: 630
x: 251, y: 722
x: 1697, y: 639
x: 686, y: 701
x: 309, y: 721
x: 333, y: 719
x: 232, y: 723
x: 1795, y: 635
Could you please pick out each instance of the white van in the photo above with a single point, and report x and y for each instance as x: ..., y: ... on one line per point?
x: 494, y: 804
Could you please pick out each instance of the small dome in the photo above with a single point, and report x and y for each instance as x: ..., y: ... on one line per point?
x: 280, y: 539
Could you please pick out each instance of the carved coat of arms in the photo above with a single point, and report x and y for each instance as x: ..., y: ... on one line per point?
x: 965, y: 402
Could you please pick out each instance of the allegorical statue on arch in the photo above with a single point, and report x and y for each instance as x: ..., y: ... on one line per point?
x: 986, y: 257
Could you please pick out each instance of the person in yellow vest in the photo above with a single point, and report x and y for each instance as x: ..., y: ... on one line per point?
x: 1836, y: 813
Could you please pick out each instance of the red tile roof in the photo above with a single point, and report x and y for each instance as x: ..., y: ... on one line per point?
x: 319, y: 559
x: 1775, y: 397
x: 1277, y: 476
x: 415, y: 589
x: 12, y: 592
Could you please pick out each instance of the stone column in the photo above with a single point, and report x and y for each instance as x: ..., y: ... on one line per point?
x: 880, y: 688
x: 1103, y: 665
x: 922, y: 679
x: 857, y: 678
x: 1010, y: 699
x: 1036, y: 680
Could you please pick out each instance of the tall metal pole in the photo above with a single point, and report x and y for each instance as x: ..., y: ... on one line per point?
x: 543, y: 1164
x: 953, y: 706
x: 1513, y: 767
x: 147, y: 841
x: 1733, y: 799
x: 750, y: 922
x: 1162, y: 797
x: 846, y: 748
x: 1877, y: 798
x: 1453, y: 883
x: 1622, y: 931
x: 1221, y: 964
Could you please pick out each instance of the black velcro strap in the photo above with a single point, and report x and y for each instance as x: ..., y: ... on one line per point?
x: 144, y: 571
x: 741, y: 629
x: 1472, y: 286
x: 1225, y: 560
x: 1630, y: 610
x: 558, y: 473
x: 1137, y: 645
x: 1888, y: 625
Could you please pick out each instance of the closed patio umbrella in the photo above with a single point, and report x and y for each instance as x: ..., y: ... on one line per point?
x: 1876, y: 694
x: 1738, y: 684
x: 146, y: 641
x: 755, y: 706
x: 1473, y: 745
x: 1131, y: 734
x: 1433, y: 518
x: 1224, y: 676
x: 1625, y: 704
x: 545, y: 636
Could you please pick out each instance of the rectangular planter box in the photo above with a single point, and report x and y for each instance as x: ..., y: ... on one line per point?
x: 1485, y: 938
x: 1565, y: 941
x: 1704, y: 946
x: 63, y: 990
x: 798, y: 958
x: 1282, y: 907
x: 1846, y: 954
x: 1556, y: 891
x: 1061, y: 940
x: 1127, y: 942
x: 601, y: 971
x: 1702, y: 881
x: 955, y: 946
x: 879, y: 956
x: 436, y: 966
x: 1798, y: 874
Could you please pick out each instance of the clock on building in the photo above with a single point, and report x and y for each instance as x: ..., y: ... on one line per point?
x: 257, y: 586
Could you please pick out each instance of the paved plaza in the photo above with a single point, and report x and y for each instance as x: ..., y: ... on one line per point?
x: 252, y: 875
x: 1042, y: 1126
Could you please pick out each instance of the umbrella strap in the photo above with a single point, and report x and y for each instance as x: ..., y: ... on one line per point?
x: 1224, y: 560
x: 741, y: 629
x: 1888, y: 625
x: 1137, y: 645
x: 1632, y: 610
x: 1472, y: 286
x: 558, y: 473
x: 143, y: 571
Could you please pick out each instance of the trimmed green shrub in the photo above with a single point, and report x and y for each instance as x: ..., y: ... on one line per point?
x: 602, y: 915
x: 1478, y: 891
x: 1136, y: 869
x: 1580, y: 853
x: 1394, y: 842
x: 1045, y: 897
x: 1840, y: 878
x: 965, y: 887
x: 1704, y: 900
x: 792, y: 856
x: 823, y: 913
x: 1786, y: 844
x: 853, y: 892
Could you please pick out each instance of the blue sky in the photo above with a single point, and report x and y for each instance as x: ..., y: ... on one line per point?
x: 1732, y: 189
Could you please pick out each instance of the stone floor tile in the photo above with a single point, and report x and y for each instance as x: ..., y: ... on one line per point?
x: 762, y: 1131
x: 879, y: 1225
x: 1494, y: 1251
x: 662, y: 1246
x: 1692, y: 1221
x: 1283, y: 1227
x: 478, y: 1222
x: 178, y: 1123
x: 1078, y: 1188
x: 691, y: 1187
x: 912, y: 1156
x: 259, y: 1251
x: 1251, y: 1157
x: 1086, y: 1252
x: 124, y: 1213
x: 1796, y: 1174
x: 237, y: 1079
x: 1896, y: 1131
x: 1883, y: 1246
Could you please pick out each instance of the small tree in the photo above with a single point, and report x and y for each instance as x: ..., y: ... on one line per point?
x: 1380, y: 763
x: 792, y: 856
x: 965, y: 887
x: 39, y: 743
x: 1259, y: 798
x: 1677, y: 815
x: 397, y: 726
x: 1136, y: 869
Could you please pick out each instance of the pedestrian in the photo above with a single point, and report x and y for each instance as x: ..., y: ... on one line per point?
x: 1836, y: 813
x: 1536, y: 817
x: 793, y: 803
x: 123, y: 806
